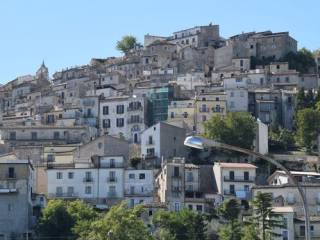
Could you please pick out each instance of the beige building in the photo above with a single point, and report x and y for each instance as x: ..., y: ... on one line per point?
x: 208, y: 105
x: 181, y: 113
x: 180, y: 185
x: 235, y: 180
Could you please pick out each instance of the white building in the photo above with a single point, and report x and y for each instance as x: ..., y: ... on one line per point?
x: 237, y: 100
x: 188, y: 81
x: 103, y: 185
x: 123, y: 116
x: 235, y: 179
x: 138, y: 186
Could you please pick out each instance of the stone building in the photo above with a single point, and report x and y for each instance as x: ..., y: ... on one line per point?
x: 16, y: 184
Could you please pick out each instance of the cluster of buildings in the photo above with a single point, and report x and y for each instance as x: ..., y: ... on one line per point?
x: 113, y: 129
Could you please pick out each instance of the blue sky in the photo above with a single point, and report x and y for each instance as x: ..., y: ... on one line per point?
x: 65, y: 33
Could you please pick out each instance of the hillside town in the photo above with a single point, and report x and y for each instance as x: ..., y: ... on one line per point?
x: 113, y: 130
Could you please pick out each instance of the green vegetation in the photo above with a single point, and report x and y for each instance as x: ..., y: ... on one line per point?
x: 302, y: 61
x: 237, y: 128
x: 126, y: 43
x: 65, y: 220
x: 264, y: 220
x: 182, y: 225
x: 230, y: 211
x: 308, y: 127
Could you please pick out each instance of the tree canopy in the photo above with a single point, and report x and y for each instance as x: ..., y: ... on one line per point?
x: 308, y: 126
x: 182, y: 225
x: 302, y: 61
x: 65, y: 220
x: 127, y: 43
x: 237, y: 128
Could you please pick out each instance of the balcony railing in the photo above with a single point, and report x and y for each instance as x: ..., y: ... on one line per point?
x: 112, y: 194
x: 111, y: 179
x: 139, y: 108
x: 88, y: 179
x: 111, y: 165
x: 176, y: 189
x: 132, y: 121
x: 242, y: 194
x: 178, y: 176
x: 149, y: 142
x: 193, y: 194
x: 239, y: 179
x: 203, y: 109
x: 64, y: 195
x: 138, y: 193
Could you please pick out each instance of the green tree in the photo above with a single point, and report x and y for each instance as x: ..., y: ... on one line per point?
x: 301, y: 99
x: 302, y: 61
x: 83, y: 215
x: 182, y: 225
x: 67, y: 220
x: 56, y: 222
x: 126, y: 43
x: 286, y: 138
x: 249, y: 232
x: 310, y: 102
x: 237, y: 128
x: 264, y: 218
x: 122, y: 223
x: 308, y: 127
x: 230, y: 211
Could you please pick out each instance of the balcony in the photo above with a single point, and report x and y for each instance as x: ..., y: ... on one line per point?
x: 177, y: 189
x: 88, y: 179
x: 111, y: 165
x: 8, y: 190
x: 193, y: 194
x: 149, y: 142
x: 111, y: 179
x: 64, y: 195
x: 241, y: 194
x: 238, y: 179
x: 203, y: 109
x: 133, y: 121
x: 138, y: 193
x: 131, y: 108
x: 176, y: 176
x: 112, y: 194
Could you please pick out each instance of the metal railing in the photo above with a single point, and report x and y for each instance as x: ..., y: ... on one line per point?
x: 88, y: 179
x: 111, y: 179
x: 238, y: 179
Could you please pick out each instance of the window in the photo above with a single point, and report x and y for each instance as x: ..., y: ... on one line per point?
x: 241, y: 63
x: 70, y: 175
x: 172, y: 114
x: 302, y: 231
x: 112, y: 163
x: 70, y: 191
x: 88, y: 176
x: 176, y: 207
x: 131, y: 176
x: 120, y: 109
x: 105, y: 110
x: 142, y: 176
x: 56, y: 135
x: 59, y: 175
x: 285, y: 235
x: 112, y: 176
x: 150, y: 152
x: 50, y: 157
x: 120, y: 122
x: 246, y: 188
x: 246, y: 176
x: 99, y: 145
x: 251, y: 46
x: 232, y: 94
x: 287, y: 79
x: 241, y: 94
x: 232, y: 104
x: 176, y: 172
x: 150, y: 140
x: 106, y: 123
x: 278, y: 66
x: 199, y: 208
x: 187, y: 41
x: 189, y: 176
x: 11, y: 172
x: 312, y: 230
x: 204, y: 118
x: 278, y: 79
x: 231, y: 189
x: 58, y: 191
x: 88, y: 190
x: 231, y: 175
x: 12, y: 136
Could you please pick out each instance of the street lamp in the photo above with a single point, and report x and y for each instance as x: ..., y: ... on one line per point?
x: 201, y: 143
